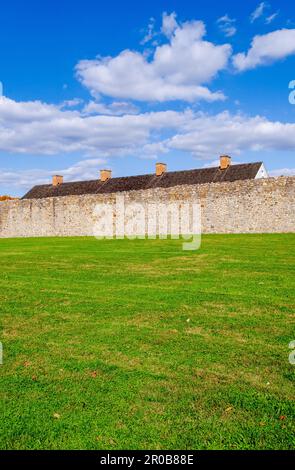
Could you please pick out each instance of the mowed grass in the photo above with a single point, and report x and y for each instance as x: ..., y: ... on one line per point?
x: 124, y: 344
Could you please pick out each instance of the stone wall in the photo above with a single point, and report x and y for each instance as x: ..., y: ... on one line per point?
x: 252, y: 206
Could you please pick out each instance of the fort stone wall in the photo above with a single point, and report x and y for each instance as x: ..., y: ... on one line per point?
x: 250, y: 206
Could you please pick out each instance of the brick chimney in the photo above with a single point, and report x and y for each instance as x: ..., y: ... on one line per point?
x: 105, y: 175
x: 57, y: 180
x: 160, y: 168
x: 225, y: 162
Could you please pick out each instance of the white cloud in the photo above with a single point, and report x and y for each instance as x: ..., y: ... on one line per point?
x: 283, y: 172
x: 71, y: 103
x: 216, y: 163
x: 116, y: 108
x: 178, y: 70
x: 150, y: 32
x: 258, y: 12
x: 26, y: 112
x: 226, y: 25
x: 25, y: 179
x: 169, y: 24
x: 266, y: 48
x: 269, y: 19
x: 84, y: 169
x: 41, y: 129
x: 206, y: 136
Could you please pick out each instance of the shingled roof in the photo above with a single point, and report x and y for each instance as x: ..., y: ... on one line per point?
x: 134, y: 183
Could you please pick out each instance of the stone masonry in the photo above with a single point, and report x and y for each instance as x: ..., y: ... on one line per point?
x: 251, y: 206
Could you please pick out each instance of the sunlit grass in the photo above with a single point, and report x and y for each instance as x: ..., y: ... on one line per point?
x: 138, y: 344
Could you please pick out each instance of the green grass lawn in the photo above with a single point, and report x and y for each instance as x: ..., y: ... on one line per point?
x: 138, y: 344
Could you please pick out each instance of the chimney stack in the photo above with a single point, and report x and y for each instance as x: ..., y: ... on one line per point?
x: 57, y: 180
x: 225, y: 162
x: 105, y: 175
x: 160, y: 168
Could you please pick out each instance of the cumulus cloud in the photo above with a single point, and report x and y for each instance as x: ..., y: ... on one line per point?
x: 266, y: 48
x: 116, y: 108
x: 38, y: 128
x: 206, y: 136
x: 41, y: 129
x: 169, y: 24
x: 227, y: 25
x: 177, y: 70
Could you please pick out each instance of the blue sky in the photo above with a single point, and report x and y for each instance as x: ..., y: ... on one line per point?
x: 122, y: 85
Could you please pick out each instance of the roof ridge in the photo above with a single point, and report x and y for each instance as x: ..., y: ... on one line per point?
x: 153, y: 174
x: 240, y: 171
